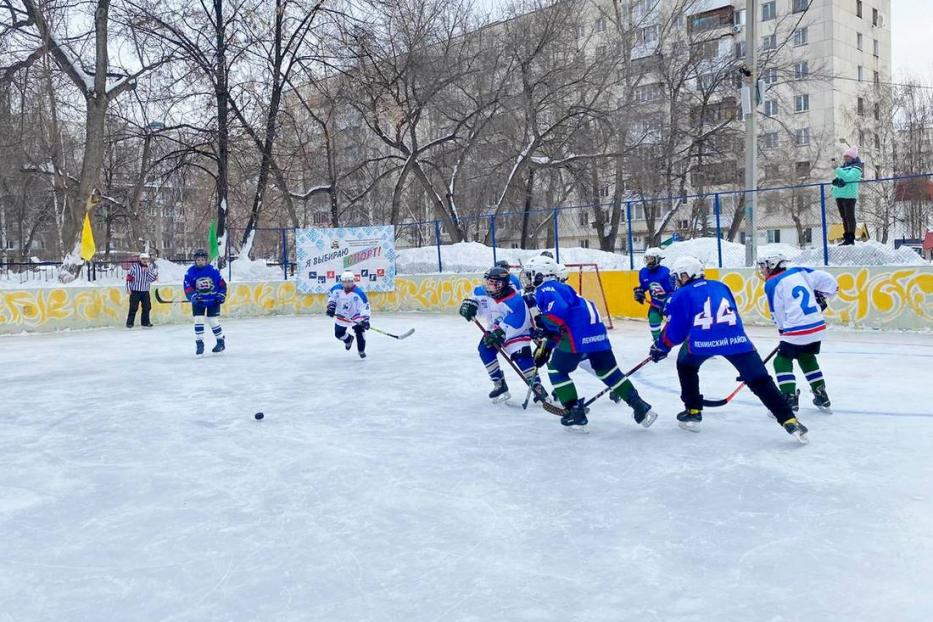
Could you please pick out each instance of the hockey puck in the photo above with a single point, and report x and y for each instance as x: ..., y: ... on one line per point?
x: 259, y: 416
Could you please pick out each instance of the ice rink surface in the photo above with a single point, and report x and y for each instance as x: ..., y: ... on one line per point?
x: 136, y: 485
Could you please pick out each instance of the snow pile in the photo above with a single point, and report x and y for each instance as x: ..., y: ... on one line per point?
x: 246, y: 269
x: 473, y: 257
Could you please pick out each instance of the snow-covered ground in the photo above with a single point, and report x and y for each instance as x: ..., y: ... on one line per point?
x: 473, y: 257
x: 136, y: 485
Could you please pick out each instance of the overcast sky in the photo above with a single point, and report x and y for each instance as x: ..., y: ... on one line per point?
x: 912, y: 38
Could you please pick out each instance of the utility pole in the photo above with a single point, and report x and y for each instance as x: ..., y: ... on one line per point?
x: 750, y: 112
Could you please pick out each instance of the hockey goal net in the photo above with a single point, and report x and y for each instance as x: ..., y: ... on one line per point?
x: 586, y: 279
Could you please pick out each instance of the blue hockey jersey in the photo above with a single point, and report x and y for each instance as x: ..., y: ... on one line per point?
x: 510, y: 313
x: 657, y: 282
x: 703, y: 313
x: 572, y: 318
x: 206, y: 282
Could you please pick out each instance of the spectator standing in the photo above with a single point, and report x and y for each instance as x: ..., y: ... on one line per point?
x: 845, y: 191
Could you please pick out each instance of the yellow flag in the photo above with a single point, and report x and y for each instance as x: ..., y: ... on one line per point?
x: 88, y: 248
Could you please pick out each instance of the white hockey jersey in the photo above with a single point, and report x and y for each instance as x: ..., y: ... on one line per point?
x: 510, y: 313
x: 792, y: 299
x: 352, y: 306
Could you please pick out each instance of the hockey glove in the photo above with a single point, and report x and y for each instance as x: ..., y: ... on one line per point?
x: 640, y: 295
x: 657, y: 353
x: 542, y: 354
x: 468, y: 309
x: 130, y: 278
x: 839, y: 182
x: 494, y: 338
x: 364, y: 325
x: 821, y: 300
x: 331, y: 308
x: 195, y: 298
x: 221, y: 298
x: 529, y: 298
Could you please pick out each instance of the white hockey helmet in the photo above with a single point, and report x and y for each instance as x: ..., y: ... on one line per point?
x: 347, y: 277
x: 770, y: 262
x: 687, y: 268
x: 540, y: 269
x: 563, y: 273
x: 653, y: 256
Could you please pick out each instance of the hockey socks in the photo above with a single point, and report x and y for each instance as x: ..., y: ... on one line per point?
x: 784, y: 371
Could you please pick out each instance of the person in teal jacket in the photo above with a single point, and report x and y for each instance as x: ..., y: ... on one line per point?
x: 845, y: 191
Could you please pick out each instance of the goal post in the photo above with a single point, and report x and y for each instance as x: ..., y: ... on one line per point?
x: 587, y: 280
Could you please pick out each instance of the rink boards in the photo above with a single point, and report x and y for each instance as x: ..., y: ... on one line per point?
x: 877, y: 297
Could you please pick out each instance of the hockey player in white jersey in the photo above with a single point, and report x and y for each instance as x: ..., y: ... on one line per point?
x: 349, y: 307
x: 501, y: 308
x: 797, y: 298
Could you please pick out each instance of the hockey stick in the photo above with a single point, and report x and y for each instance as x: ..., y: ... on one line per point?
x: 728, y: 398
x: 159, y: 298
x: 608, y: 389
x: 551, y: 408
x: 408, y: 333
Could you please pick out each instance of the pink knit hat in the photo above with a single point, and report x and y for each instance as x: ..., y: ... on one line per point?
x: 851, y: 152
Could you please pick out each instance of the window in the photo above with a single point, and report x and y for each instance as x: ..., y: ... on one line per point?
x: 649, y: 34
x: 801, y: 36
x: 877, y: 112
x: 600, y: 25
x: 769, y: 42
x: 683, y: 223
x: 874, y: 17
x: 806, y: 236
x: 774, y: 236
x: 860, y: 73
x: 768, y: 11
x: 875, y: 48
x: 584, y: 218
x: 877, y: 79
x: 769, y: 140
x: 858, y: 8
x: 861, y: 137
x: 648, y: 92
x: 769, y: 76
x: 739, y: 17
x: 771, y: 107
x: 706, y: 50
x: 861, y: 109
x: 600, y: 51
x: 585, y: 243
x: 706, y: 81
x: 801, y: 103
x: 877, y: 143
x: 801, y: 5
x: 802, y: 136
x: 801, y: 70
x: 741, y: 49
x: 859, y: 41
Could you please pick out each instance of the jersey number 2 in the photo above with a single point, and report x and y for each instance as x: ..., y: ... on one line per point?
x: 724, y: 315
x: 804, y: 294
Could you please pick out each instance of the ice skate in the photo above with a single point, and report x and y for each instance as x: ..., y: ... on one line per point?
x: 199, y: 348
x: 821, y: 400
x: 575, y: 418
x: 797, y: 430
x: 690, y: 420
x: 500, y: 392
x: 219, y: 346
x: 793, y: 400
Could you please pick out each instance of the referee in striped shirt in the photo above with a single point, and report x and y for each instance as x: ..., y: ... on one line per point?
x: 138, y: 279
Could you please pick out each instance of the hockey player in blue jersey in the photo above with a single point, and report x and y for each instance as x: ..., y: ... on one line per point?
x: 508, y: 326
x: 702, y: 315
x: 797, y: 297
x: 349, y: 307
x: 654, y: 280
x: 206, y: 290
x: 576, y: 333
